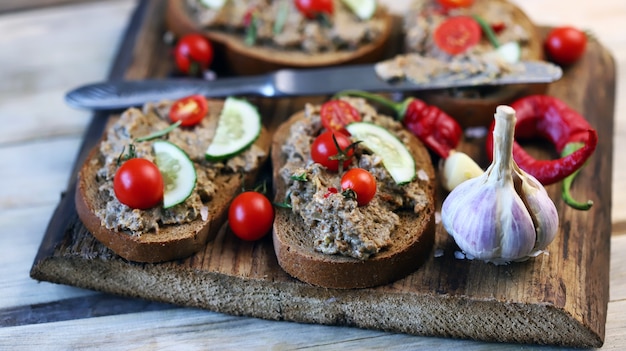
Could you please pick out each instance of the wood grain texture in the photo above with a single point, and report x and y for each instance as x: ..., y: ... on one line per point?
x: 559, y: 298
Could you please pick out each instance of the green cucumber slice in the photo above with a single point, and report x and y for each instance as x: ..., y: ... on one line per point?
x: 213, y: 4
x: 511, y: 52
x: 239, y: 126
x: 179, y: 173
x: 363, y: 9
x: 396, y: 157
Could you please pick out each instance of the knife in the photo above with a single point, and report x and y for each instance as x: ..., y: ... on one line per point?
x: 285, y: 83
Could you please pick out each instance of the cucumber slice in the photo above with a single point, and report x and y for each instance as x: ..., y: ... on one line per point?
x: 239, y: 126
x: 213, y: 4
x: 179, y: 173
x: 510, y: 52
x: 396, y: 157
x: 363, y: 9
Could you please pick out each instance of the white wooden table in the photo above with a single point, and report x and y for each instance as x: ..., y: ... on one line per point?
x: 45, y: 52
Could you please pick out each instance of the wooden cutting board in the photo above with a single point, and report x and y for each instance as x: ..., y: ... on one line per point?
x: 560, y: 298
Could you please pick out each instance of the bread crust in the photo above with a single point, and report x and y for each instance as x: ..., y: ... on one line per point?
x: 173, y: 241
x: 411, y: 242
x: 246, y: 60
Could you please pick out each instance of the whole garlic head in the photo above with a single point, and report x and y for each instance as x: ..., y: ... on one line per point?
x: 504, y: 214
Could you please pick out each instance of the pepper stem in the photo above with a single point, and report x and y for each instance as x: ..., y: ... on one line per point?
x: 567, y: 182
x: 398, y: 107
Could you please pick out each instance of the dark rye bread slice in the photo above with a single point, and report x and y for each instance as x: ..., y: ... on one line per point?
x: 411, y: 242
x: 172, y: 241
x: 244, y: 59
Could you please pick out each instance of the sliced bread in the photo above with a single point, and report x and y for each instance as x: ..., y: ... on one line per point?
x: 244, y: 59
x: 167, y: 241
x: 411, y: 240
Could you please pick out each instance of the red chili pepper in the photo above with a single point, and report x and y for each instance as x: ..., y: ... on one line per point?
x: 436, y: 129
x: 552, y: 119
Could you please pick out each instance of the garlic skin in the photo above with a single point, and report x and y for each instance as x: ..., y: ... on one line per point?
x: 505, y: 214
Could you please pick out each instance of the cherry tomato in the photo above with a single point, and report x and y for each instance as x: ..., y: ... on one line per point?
x: 138, y: 183
x: 323, y: 150
x: 189, y: 110
x: 336, y: 114
x: 450, y: 4
x: 250, y: 215
x: 362, y: 183
x: 457, y: 34
x: 565, y: 45
x: 312, y: 8
x: 193, y: 54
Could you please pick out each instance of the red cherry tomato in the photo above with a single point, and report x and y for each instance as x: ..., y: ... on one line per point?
x: 323, y: 150
x: 362, y: 183
x: 250, y: 215
x: 312, y: 8
x: 193, y: 54
x: 450, y: 4
x: 189, y: 110
x: 336, y: 114
x: 565, y: 45
x: 457, y: 34
x: 138, y: 183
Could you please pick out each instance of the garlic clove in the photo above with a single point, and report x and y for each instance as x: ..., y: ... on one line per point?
x: 545, y: 217
x: 457, y: 168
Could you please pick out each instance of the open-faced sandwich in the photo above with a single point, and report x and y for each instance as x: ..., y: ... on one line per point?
x: 358, y: 199
x: 263, y: 35
x: 444, y: 38
x: 158, y: 185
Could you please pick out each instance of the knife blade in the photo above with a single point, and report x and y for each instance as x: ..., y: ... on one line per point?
x: 286, y: 83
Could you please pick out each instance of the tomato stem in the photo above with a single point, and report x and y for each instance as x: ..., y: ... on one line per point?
x: 342, y: 154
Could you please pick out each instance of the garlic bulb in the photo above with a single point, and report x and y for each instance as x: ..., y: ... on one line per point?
x: 504, y: 214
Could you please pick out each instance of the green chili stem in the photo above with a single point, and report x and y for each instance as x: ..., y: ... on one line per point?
x: 398, y: 107
x: 567, y: 182
x: 491, y: 35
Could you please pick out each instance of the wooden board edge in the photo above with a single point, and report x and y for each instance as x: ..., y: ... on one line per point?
x: 420, y: 315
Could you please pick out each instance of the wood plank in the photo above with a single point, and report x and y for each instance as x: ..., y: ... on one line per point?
x: 23, y: 229
x: 46, y: 170
x: 32, y: 104
x: 195, y: 330
x: 7, y: 6
x: 559, y: 298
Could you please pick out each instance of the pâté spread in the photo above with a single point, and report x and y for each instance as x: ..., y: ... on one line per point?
x: 425, y: 61
x: 336, y: 224
x: 279, y: 24
x: 135, y: 123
